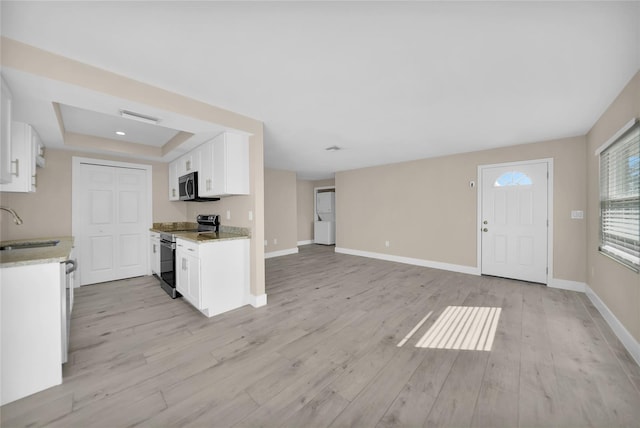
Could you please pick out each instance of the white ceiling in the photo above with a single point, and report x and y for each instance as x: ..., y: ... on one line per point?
x: 385, y: 81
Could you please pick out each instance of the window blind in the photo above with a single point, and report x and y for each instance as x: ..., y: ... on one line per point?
x: 620, y: 198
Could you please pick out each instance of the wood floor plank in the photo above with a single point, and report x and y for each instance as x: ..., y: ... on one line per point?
x: 324, y: 352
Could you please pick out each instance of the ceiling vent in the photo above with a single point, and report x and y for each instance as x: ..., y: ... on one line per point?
x: 139, y: 117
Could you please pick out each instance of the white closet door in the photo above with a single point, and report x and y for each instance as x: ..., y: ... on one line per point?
x: 112, y: 223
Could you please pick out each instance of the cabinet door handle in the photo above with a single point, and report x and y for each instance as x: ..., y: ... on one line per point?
x: 184, y: 264
x: 190, y: 249
x: 173, y: 192
x: 17, y: 164
x: 188, y: 166
x: 154, y: 248
x: 34, y: 180
x: 208, y: 184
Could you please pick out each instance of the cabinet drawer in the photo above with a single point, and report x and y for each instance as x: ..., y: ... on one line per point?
x: 188, y: 247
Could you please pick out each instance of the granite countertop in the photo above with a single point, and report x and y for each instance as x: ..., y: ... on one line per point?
x: 204, y: 237
x: 32, y: 256
x: 173, y: 227
x: 188, y: 231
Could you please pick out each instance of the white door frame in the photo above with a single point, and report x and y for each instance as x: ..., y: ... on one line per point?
x: 549, y: 162
x: 315, y: 199
x: 76, y: 161
x: 315, y: 209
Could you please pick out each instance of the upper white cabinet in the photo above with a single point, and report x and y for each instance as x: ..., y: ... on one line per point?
x: 224, y: 166
x: 185, y: 164
x: 5, y: 131
x: 174, y: 194
x: 26, y: 148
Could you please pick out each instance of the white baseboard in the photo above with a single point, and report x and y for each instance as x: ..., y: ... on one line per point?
x: 305, y: 242
x: 281, y: 253
x: 620, y: 331
x: 411, y: 261
x: 565, y: 284
x: 258, y: 301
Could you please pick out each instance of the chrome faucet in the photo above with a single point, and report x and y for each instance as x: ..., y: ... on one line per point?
x: 16, y: 217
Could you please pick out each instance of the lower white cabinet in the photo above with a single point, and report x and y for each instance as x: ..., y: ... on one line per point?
x: 213, y: 276
x: 154, y: 254
x: 31, y: 331
x: 188, y: 272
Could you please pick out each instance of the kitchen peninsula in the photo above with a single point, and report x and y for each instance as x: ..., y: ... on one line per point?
x: 210, y: 269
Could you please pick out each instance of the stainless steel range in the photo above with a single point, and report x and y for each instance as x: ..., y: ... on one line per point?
x: 206, y: 223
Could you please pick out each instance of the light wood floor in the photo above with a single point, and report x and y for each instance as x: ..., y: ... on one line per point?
x: 323, y: 353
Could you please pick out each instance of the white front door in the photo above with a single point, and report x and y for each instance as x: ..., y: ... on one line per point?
x: 514, y: 221
x: 112, y: 223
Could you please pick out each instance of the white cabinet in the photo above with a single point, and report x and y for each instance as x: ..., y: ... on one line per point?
x: 5, y: 133
x: 186, y: 164
x: 174, y: 194
x: 154, y: 254
x: 188, y: 272
x: 205, y: 171
x: 224, y: 166
x: 26, y: 147
x: 31, y: 346
x: 213, y: 276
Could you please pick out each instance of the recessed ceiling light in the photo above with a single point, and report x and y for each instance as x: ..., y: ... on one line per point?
x: 333, y: 149
x: 121, y: 133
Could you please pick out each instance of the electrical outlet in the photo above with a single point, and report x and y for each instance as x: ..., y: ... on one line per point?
x: 386, y: 244
x: 275, y: 241
x: 250, y: 215
x: 228, y: 214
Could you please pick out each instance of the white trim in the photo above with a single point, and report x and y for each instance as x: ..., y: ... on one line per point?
x: 310, y: 241
x: 549, y: 162
x: 76, y: 161
x: 615, y: 136
x: 281, y: 253
x: 629, y: 342
x: 565, y: 284
x: 411, y: 261
x: 258, y: 301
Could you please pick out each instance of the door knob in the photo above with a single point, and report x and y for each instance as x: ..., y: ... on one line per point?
x: 485, y: 230
x: 485, y: 222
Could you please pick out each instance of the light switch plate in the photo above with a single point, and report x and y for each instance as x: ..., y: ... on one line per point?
x: 577, y: 214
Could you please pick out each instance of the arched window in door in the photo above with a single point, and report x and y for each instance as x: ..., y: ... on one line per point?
x: 513, y: 178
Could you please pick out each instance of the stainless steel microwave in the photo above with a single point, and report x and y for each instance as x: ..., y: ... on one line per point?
x: 188, y: 188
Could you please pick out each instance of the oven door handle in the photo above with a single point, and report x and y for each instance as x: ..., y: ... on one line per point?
x: 71, y: 266
x: 168, y: 244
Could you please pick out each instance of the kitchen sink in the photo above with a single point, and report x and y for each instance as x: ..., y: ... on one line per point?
x: 31, y: 244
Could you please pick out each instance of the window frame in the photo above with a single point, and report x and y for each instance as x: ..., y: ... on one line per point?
x: 626, y: 258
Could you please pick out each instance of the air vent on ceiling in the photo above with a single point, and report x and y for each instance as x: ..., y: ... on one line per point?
x: 139, y: 117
